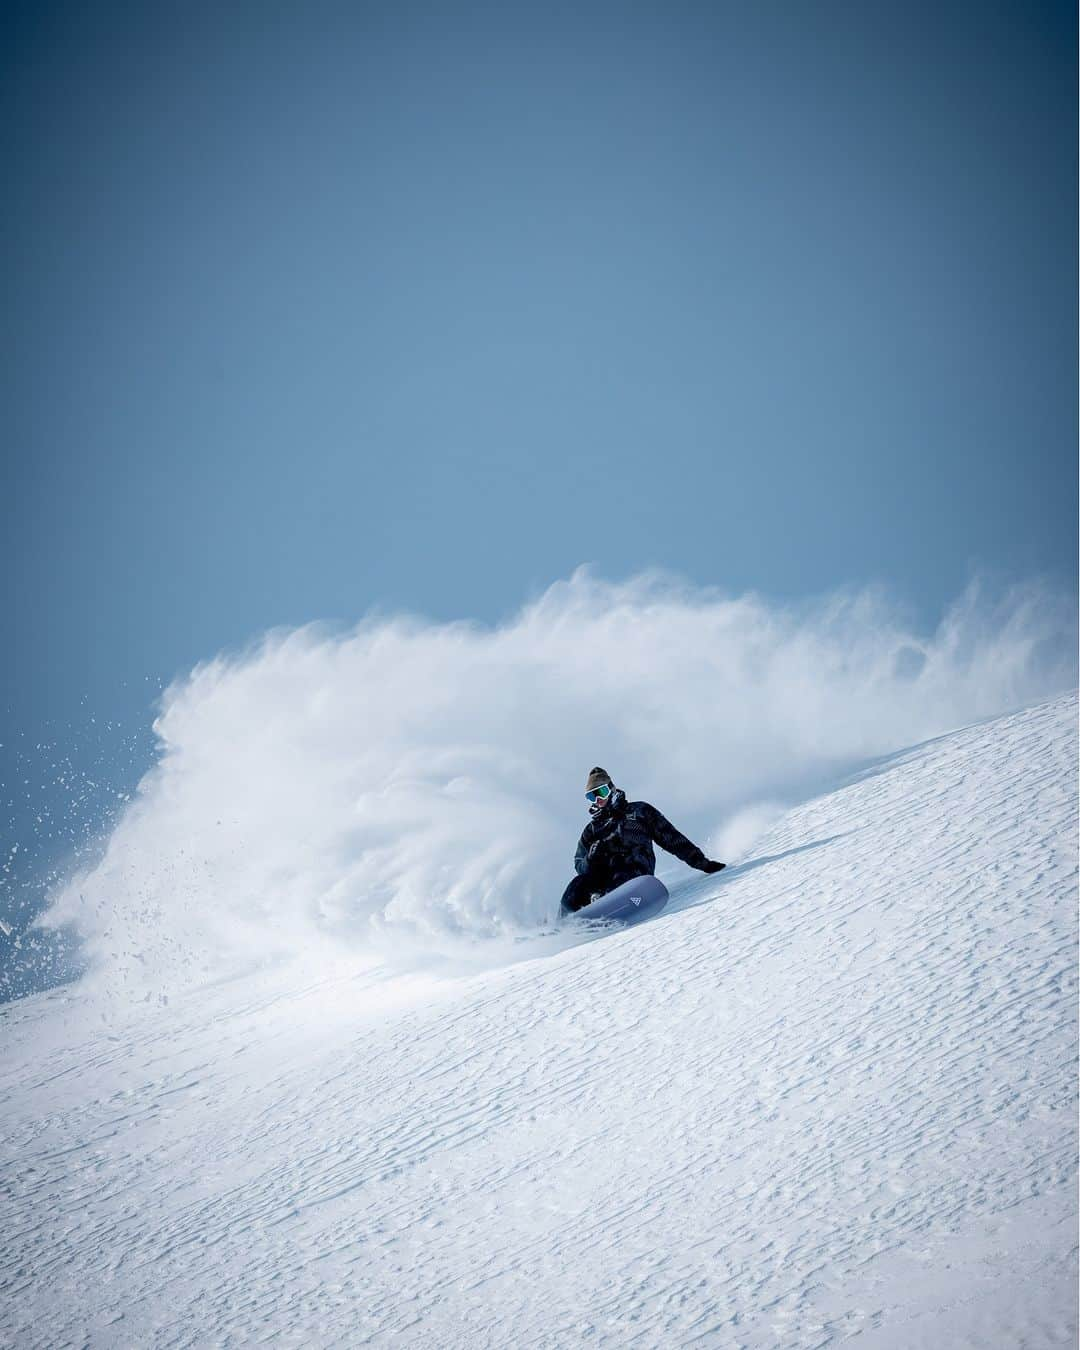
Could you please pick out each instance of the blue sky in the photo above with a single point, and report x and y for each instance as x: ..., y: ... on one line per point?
x: 310, y: 309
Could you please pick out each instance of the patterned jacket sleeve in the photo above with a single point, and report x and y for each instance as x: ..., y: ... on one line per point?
x: 668, y: 837
x: 581, y: 857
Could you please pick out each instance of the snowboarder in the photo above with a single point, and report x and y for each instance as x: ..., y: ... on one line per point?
x: 617, y: 844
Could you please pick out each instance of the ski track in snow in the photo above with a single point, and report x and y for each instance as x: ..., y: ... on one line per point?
x: 828, y: 1095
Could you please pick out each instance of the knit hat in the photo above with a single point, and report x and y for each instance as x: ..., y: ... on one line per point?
x: 596, y: 778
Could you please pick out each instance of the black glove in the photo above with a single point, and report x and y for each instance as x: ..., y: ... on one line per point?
x: 711, y: 867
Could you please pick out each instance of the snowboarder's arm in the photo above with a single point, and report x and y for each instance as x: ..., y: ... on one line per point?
x: 581, y: 857
x: 668, y: 837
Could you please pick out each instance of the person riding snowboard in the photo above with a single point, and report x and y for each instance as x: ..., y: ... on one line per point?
x: 617, y: 844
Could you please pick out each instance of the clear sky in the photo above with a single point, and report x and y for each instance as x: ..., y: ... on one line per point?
x: 310, y: 308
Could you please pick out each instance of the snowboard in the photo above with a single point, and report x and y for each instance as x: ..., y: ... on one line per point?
x: 629, y: 903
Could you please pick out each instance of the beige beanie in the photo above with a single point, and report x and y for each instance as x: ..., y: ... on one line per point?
x: 597, y: 777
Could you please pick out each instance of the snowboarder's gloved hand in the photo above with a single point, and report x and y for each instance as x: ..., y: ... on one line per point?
x: 713, y: 866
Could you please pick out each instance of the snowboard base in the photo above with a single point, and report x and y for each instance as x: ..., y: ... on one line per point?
x: 629, y: 903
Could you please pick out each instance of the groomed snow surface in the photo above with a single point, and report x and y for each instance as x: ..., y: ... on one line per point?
x: 826, y: 1096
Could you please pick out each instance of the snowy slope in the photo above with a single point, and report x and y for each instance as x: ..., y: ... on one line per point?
x: 829, y: 1094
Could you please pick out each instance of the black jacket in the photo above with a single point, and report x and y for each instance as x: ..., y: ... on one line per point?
x: 624, y: 833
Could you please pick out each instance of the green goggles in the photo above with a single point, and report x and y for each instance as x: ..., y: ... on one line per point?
x: 600, y: 794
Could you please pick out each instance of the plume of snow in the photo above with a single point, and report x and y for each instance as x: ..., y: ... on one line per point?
x: 407, y: 784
